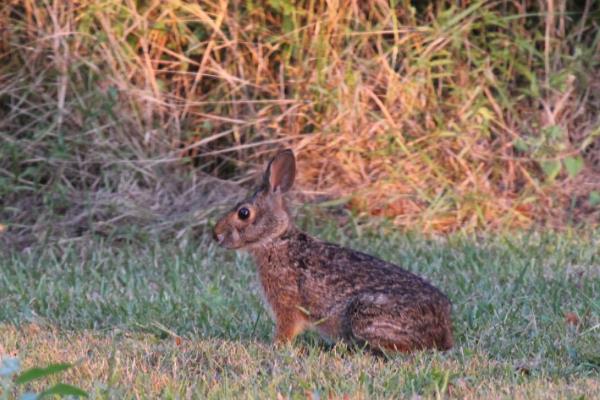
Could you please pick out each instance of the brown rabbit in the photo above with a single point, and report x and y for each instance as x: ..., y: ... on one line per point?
x: 341, y: 293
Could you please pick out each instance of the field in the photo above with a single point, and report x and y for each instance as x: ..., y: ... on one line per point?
x: 460, y: 139
x: 176, y: 320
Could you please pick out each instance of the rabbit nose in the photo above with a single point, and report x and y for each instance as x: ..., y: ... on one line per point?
x: 218, y: 237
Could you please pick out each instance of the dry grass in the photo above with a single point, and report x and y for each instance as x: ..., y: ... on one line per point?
x: 439, y: 117
x: 137, y: 366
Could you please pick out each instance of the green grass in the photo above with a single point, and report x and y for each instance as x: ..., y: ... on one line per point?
x: 186, y: 321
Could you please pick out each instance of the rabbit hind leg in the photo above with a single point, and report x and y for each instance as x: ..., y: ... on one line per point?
x: 394, y: 326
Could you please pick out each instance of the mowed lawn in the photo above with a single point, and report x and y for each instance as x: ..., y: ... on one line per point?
x: 168, y: 320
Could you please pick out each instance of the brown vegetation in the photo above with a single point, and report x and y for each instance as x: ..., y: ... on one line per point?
x: 436, y: 116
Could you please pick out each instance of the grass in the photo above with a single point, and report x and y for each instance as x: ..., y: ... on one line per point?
x: 122, y: 122
x: 185, y: 321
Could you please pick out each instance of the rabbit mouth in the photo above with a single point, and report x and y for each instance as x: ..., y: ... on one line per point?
x: 228, y: 240
x: 222, y: 241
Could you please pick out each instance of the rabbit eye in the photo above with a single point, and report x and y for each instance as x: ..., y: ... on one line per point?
x: 243, y: 213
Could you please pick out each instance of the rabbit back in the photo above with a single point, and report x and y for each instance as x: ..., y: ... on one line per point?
x: 349, y: 295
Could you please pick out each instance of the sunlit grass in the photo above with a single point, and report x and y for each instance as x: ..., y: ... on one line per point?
x: 165, y: 320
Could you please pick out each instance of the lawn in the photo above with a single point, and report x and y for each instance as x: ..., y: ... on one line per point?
x: 172, y: 320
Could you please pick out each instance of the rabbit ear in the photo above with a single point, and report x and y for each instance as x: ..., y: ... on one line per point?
x: 281, y: 172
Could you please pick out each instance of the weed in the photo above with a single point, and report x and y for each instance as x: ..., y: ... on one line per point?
x: 121, y: 113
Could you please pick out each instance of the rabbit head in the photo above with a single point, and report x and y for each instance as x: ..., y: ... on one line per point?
x: 262, y: 217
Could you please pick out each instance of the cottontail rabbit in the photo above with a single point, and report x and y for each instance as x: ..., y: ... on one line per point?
x: 341, y: 293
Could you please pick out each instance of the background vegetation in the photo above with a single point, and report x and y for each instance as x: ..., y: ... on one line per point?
x: 439, y: 115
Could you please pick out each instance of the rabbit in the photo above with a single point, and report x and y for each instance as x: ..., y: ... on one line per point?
x: 341, y: 293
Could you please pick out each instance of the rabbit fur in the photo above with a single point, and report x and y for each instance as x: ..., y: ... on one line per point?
x: 341, y: 293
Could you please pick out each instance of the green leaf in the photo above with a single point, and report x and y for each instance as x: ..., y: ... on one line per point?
x: 551, y: 168
x: 160, y: 26
x: 35, y: 373
x: 520, y: 145
x: 113, y: 93
x: 161, y: 84
x: 63, y: 389
x: 335, y: 202
x: 574, y: 165
x: 594, y: 198
x: 553, y: 132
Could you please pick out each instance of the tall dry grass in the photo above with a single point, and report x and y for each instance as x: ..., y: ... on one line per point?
x: 440, y: 115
